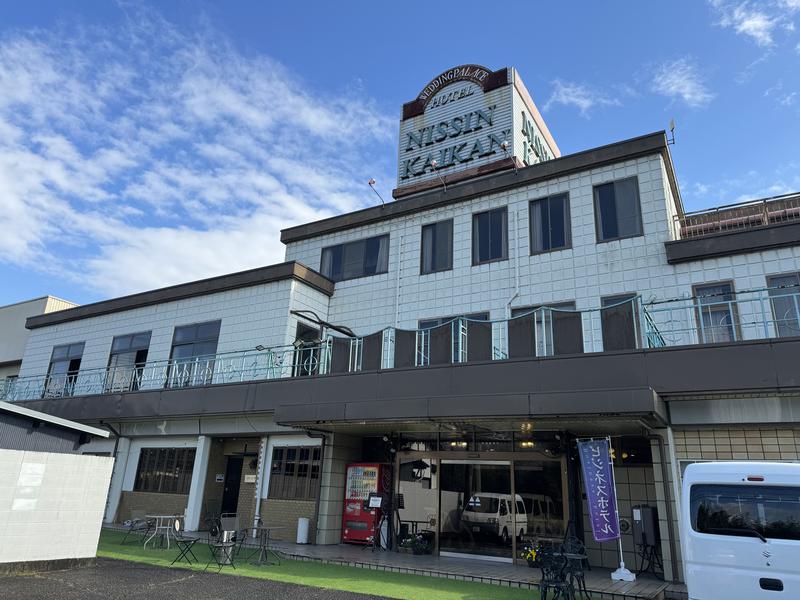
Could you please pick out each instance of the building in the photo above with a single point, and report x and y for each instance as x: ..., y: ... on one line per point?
x: 510, y: 300
x: 13, y: 335
x: 53, y: 494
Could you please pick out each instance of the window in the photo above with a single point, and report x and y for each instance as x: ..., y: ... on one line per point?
x: 307, y: 347
x: 746, y: 510
x: 558, y: 331
x: 356, y: 259
x: 126, y: 361
x: 717, y: 317
x: 616, y: 210
x: 490, y: 236
x: 619, y: 320
x: 549, y: 224
x: 294, y: 473
x: 437, y: 247
x: 192, y: 356
x: 784, y: 294
x: 165, y: 470
x: 63, y: 370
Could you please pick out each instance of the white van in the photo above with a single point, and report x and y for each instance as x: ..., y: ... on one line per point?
x: 740, y: 526
x: 491, y: 513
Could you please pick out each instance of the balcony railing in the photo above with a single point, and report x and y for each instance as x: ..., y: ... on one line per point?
x: 541, y: 332
x: 735, y: 217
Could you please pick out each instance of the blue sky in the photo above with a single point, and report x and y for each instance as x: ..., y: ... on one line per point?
x: 145, y: 145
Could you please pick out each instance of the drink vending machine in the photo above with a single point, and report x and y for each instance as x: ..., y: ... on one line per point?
x: 360, y: 522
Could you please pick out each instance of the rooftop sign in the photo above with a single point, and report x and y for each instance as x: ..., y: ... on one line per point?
x: 468, y: 121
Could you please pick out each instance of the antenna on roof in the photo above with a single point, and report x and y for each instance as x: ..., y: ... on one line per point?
x: 504, y: 146
x: 371, y: 183
x: 434, y: 162
x: 672, y: 131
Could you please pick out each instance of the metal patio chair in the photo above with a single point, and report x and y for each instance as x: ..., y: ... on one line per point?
x: 575, y: 554
x: 554, y: 579
x: 184, y: 544
x: 139, y: 524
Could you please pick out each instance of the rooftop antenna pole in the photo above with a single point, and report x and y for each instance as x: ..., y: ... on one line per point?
x: 671, y: 140
x: 371, y: 183
x: 434, y: 163
x: 504, y: 146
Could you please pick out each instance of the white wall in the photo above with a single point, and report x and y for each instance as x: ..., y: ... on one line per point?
x: 51, y: 505
x: 584, y: 273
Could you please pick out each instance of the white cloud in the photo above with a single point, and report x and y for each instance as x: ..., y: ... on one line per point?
x: 757, y: 21
x: 137, y: 157
x: 580, y: 95
x: 680, y: 78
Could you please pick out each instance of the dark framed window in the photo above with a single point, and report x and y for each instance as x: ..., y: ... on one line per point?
x: 126, y: 361
x: 617, y: 210
x: 767, y: 511
x: 717, y: 313
x: 563, y: 331
x: 437, y: 247
x: 550, y: 224
x: 784, y: 293
x: 165, y: 470
x: 356, y: 259
x: 294, y: 472
x: 192, y: 355
x: 619, y: 320
x: 62, y: 373
x: 490, y: 236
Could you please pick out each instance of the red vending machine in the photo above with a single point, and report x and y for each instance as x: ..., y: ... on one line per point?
x: 359, y: 521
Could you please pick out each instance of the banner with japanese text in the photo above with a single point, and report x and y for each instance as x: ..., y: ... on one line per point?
x: 601, y: 494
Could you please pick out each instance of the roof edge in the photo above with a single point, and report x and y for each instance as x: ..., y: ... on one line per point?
x: 651, y: 143
x: 281, y: 271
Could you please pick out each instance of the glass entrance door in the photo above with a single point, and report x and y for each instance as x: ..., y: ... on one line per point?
x: 476, y: 512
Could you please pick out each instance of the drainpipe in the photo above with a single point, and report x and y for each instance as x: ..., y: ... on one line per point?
x: 516, y: 264
x: 667, y: 499
x: 262, y: 465
x: 116, y: 437
x: 397, y: 283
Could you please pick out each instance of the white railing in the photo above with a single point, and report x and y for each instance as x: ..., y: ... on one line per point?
x: 542, y: 332
x: 734, y: 217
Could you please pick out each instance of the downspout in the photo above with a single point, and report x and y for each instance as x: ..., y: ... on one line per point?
x: 262, y: 465
x: 397, y: 283
x: 116, y: 437
x: 516, y: 265
x: 667, y: 499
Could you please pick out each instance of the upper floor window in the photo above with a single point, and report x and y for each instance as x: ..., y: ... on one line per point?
x: 717, y: 315
x: 617, y: 211
x: 192, y: 355
x: 356, y: 259
x: 549, y: 224
x: 619, y: 321
x: 165, y: 470
x: 784, y: 294
x: 490, y: 236
x: 126, y: 361
x: 437, y: 247
x: 62, y: 372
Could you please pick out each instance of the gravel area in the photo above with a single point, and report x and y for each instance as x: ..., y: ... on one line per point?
x: 122, y: 580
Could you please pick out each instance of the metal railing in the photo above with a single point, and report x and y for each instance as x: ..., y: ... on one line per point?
x: 541, y: 332
x: 734, y: 217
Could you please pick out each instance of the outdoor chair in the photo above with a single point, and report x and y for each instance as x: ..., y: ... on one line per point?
x: 184, y: 544
x: 576, y: 557
x: 554, y: 579
x: 139, y: 524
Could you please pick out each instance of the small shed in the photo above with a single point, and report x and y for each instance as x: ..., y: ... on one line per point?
x: 52, y: 497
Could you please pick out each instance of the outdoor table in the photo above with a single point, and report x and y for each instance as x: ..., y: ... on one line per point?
x: 162, y: 526
x: 263, y: 533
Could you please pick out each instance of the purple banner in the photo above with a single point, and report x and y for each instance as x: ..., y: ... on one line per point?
x: 600, y: 492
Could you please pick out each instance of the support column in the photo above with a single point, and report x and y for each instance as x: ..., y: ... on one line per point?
x: 194, y: 507
x: 117, y: 477
x: 340, y: 450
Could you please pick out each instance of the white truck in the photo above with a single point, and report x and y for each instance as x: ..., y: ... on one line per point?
x: 490, y: 513
x: 740, y: 526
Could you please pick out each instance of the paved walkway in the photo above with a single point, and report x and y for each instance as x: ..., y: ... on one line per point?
x: 122, y: 580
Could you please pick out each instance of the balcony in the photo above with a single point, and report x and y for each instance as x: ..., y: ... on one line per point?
x: 626, y: 325
x: 738, y: 217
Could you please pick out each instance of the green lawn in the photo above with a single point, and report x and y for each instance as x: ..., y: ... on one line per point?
x: 351, y: 579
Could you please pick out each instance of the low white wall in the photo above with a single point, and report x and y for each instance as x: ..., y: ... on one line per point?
x: 51, y: 505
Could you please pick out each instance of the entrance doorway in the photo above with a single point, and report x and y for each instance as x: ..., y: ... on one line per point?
x: 489, y: 509
x: 233, y: 479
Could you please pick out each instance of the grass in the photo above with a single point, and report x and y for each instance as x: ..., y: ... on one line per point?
x: 350, y: 579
